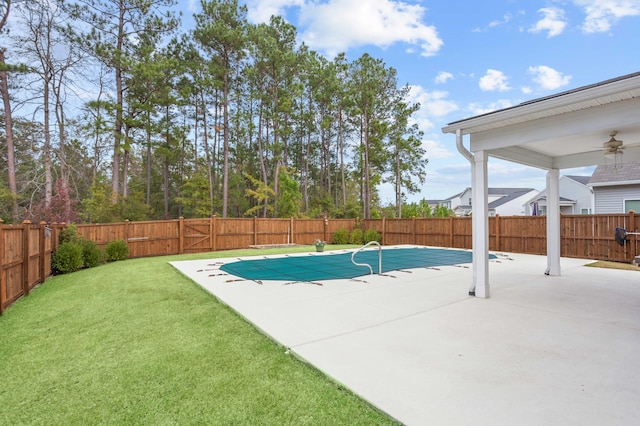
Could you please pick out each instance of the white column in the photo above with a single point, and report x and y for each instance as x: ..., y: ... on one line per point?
x: 553, y: 222
x: 480, y: 225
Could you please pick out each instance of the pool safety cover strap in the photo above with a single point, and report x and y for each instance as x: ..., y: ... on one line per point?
x: 330, y: 266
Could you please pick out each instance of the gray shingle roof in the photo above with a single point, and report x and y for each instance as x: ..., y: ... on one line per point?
x: 508, y: 195
x: 580, y: 179
x: 620, y: 174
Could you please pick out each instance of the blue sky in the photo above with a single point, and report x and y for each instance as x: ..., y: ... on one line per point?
x: 464, y: 58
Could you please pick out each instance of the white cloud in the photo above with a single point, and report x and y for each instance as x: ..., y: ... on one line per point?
x: 494, y: 80
x: 506, y: 18
x: 334, y: 26
x: 435, y: 149
x: 193, y: 5
x: 553, y: 22
x: 432, y: 105
x: 526, y: 90
x: 443, y: 76
x: 262, y: 10
x: 548, y: 78
x: 479, y: 109
x: 602, y: 14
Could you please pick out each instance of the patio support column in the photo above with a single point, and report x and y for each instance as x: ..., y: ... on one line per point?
x: 480, y: 224
x: 553, y: 222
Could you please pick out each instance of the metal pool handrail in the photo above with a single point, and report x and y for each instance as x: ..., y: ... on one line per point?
x: 366, y: 264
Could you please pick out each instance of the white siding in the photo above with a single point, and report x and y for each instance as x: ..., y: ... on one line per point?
x: 610, y: 199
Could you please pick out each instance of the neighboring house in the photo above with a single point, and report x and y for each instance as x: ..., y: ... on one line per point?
x: 616, y: 188
x: 502, y: 201
x: 576, y: 197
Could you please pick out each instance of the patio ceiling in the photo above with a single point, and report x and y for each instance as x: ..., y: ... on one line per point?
x: 561, y: 131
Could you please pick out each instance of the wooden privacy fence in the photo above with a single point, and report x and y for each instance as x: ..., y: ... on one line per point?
x: 26, y: 249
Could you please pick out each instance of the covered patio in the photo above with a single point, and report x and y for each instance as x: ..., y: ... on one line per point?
x: 556, y: 132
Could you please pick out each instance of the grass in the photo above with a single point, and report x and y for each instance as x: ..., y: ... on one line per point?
x: 135, y: 342
x: 614, y: 265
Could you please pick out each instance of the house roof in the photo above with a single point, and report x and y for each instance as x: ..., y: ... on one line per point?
x: 580, y: 179
x: 611, y: 174
x: 508, y: 194
x: 563, y: 200
x: 560, y: 131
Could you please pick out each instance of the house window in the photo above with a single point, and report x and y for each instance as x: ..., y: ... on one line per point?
x: 585, y: 211
x: 632, y: 205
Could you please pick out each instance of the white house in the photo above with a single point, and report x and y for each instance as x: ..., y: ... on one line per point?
x: 616, y: 188
x: 502, y: 201
x: 576, y: 197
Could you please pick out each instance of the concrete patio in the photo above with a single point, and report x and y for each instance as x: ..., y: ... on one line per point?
x: 542, y: 350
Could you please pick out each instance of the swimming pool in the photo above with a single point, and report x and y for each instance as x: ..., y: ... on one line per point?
x: 329, y: 266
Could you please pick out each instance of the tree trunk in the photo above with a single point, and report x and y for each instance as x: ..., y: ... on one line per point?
x: 225, y: 147
x: 8, y: 123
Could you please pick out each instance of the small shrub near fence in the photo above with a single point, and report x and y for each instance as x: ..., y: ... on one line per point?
x: 67, y: 258
x: 116, y: 250
x: 341, y: 236
x: 357, y: 236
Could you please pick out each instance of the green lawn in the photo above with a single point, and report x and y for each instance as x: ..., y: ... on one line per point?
x: 135, y: 342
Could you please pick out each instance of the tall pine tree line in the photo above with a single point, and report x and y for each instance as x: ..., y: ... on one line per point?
x: 119, y: 114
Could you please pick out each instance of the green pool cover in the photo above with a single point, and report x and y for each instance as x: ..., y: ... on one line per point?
x: 339, y: 266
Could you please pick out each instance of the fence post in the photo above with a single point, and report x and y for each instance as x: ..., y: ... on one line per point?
x: 497, y: 247
x: 43, y: 248
x: 291, y: 232
x: 324, y: 230
x: 384, y: 229
x: 255, y: 230
x: 3, y: 284
x: 632, y: 228
x: 215, y: 233
x: 450, y: 231
x: 211, y: 233
x: 181, y: 234
x: 413, y: 225
x: 25, y: 256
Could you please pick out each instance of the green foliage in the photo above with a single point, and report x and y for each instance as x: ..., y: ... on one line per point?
x: 116, y: 250
x: 67, y: 258
x: 69, y: 234
x: 372, y: 235
x: 91, y: 253
x: 341, y: 236
x: 443, y: 211
x: 261, y: 194
x: 289, y: 196
x: 420, y: 209
x: 99, y: 208
x: 357, y: 236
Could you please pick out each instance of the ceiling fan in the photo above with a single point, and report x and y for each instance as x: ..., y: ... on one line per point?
x: 613, y: 145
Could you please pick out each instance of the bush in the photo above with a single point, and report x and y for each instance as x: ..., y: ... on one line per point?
x: 341, y: 236
x: 91, y: 254
x: 357, y: 236
x: 372, y: 235
x: 116, y: 250
x: 69, y: 234
x: 67, y: 258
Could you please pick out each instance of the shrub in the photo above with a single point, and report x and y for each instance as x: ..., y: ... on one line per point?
x: 116, y: 250
x: 357, y: 236
x: 91, y: 254
x: 341, y: 236
x: 67, y: 258
x: 69, y: 234
x: 372, y: 235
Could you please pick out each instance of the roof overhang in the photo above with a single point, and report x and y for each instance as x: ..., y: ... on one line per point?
x: 561, y: 131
